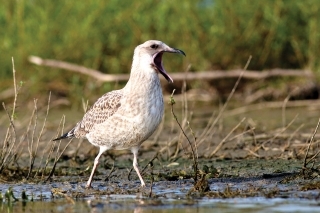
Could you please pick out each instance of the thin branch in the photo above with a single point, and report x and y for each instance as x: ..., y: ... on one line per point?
x: 225, y: 138
x: 310, y: 142
x: 15, y: 90
x: 195, y: 162
x: 199, y: 75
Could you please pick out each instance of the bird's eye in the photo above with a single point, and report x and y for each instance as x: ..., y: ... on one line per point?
x: 154, y: 46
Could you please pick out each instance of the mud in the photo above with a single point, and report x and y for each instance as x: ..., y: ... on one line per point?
x: 259, y: 167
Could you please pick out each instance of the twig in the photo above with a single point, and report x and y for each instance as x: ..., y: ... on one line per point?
x: 30, y: 144
x: 57, y: 159
x: 151, y: 186
x: 228, y: 99
x: 184, y: 113
x: 272, y: 105
x: 277, y: 134
x: 284, y: 110
x: 290, y: 138
x: 34, y: 152
x: 224, y: 139
x: 111, y: 171
x: 311, y: 140
x: 7, y: 147
x: 15, y: 90
x: 150, y: 162
x: 195, y: 162
x: 52, y: 147
x: 129, y: 174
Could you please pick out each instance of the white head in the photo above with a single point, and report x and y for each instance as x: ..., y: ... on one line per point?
x: 151, y: 52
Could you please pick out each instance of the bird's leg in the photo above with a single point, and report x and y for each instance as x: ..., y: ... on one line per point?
x: 135, y: 164
x: 95, y: 164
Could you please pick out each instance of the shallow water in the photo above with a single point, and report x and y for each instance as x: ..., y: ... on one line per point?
x: 129, y: 204
x: 167, y: 196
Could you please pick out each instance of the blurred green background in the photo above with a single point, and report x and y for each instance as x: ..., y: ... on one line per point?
x: 101, y: 34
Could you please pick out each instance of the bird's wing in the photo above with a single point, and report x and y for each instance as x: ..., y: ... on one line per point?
x: 99, y: 112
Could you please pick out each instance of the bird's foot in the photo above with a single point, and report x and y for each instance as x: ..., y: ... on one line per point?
x: 143, y: 185
x: 88, y: 186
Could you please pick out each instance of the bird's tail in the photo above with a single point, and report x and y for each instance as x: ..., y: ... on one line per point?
x: 69, y: 134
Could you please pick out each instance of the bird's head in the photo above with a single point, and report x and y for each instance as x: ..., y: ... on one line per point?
x: 153, y: 50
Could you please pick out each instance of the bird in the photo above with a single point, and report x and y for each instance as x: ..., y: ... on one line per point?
x: 125, y: 118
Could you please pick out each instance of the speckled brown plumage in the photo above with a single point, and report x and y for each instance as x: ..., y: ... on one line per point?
x: 105, y: 107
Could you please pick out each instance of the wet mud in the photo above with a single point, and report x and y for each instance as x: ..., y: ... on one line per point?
x: 260, y: 166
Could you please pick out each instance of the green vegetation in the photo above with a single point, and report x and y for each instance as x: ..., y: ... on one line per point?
x: 100, y: 34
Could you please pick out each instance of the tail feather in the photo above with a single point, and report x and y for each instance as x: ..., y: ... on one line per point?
x: 69, y: 134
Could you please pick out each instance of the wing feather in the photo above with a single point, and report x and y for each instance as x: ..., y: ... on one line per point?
x: 99, y: 112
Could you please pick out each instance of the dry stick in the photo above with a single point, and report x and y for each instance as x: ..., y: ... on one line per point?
x: 230, y: 95
x: 184, y: 112
x: 44, y: 124
x: 6, y: 140
x: 4, y: 155
x: 291, y: 136
x: 272, y: 105
x: 307, y: 152
x: 195, y: 162
x: 276, y: 135
x: 38, y: 140
x: 15, y: 90
x: 283, y: 129
x: 57, y: 159
x: 240, y: 134
x: 313, y: 157
x: 284, y: 110
x: 52, y: 146
x: 233, y: 90
x: 252, y: 152
x: 8, y: 150
x: 200, y: 75
x: 169, y: 144
x: 111, y: 171
x: 129, y: 173
x: 207, y: 129
x: 151, y: 161
x: 224, y: 139
x: 30, y: 144
x: 282, y: 136
x: 317, y: 142
x: 28, y: 130
x: 151, y: 186
x: 194, y: 138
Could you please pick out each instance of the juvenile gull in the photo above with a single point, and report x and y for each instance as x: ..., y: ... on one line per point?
x: 123, y: 119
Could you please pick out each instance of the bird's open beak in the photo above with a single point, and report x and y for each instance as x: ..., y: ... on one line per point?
x: 157, y: 60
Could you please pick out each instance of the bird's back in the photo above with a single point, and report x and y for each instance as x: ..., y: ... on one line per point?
x: 99, y: 112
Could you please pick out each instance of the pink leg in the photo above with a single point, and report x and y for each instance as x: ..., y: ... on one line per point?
x: 135, y: 164
x: 95, y: 164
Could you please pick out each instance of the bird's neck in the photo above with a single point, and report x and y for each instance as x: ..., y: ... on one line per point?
x: 143, y: 79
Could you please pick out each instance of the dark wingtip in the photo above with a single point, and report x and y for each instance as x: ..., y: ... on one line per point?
x: 61, y: 137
